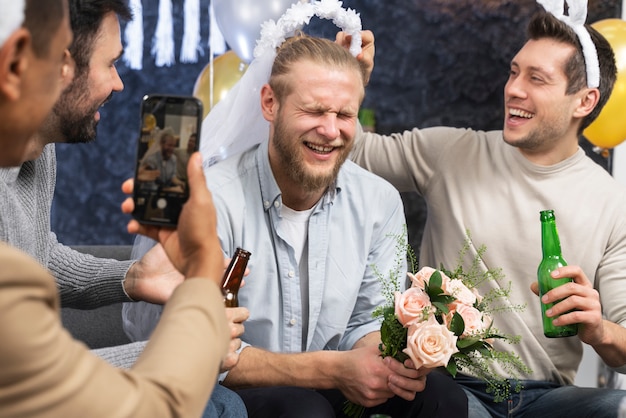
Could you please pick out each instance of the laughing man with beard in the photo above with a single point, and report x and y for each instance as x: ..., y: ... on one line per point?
x: 494, y: 184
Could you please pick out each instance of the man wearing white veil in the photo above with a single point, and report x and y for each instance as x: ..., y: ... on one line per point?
x: 311, y: 343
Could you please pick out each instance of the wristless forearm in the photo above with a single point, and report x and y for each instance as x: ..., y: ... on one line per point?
x: 316, y: 370
x: 612, y: 350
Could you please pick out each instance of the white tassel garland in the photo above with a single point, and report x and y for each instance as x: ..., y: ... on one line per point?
x: 133, y: 36
x: 163, y: 42
x: 217, y: 44
x: 191, y: 37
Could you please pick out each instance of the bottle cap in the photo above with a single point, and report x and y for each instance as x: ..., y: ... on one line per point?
x: 546, y: 215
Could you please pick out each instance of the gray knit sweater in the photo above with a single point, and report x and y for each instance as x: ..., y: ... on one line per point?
x: 84, y: 281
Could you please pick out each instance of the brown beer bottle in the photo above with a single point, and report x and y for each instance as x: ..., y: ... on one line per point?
x: 233, y: 276
x: 552, y: 259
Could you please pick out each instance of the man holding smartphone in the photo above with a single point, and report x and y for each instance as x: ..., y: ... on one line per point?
x: 44, y: 372
x: 84, y: 281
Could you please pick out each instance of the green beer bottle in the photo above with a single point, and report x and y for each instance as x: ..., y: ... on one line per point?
x: 552, y: 259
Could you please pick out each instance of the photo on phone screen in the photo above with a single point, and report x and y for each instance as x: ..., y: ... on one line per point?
x: 170, y: 133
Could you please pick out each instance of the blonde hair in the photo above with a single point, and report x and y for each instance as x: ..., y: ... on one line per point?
x: 302, y: 47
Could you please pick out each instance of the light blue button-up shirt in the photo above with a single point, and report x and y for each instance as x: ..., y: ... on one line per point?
x: 351, y: 231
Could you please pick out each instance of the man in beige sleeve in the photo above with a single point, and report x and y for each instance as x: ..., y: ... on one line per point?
x: 495, y: 183
x: 43, y: 371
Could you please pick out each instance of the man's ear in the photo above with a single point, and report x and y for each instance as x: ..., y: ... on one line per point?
x: 269, y: 104
x: 14, y: 57
x: 588, y: 102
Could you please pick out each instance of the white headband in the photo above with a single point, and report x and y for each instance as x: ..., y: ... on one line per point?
x: 577, y: 10
x: 11, y: 17
x: 236, y: 123
x: 273, y: 34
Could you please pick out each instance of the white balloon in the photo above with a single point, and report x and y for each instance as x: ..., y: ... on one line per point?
x: 240, y: 21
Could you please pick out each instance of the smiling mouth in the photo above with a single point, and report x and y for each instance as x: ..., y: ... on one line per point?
x: 319, y: 148
x: 521, y: 114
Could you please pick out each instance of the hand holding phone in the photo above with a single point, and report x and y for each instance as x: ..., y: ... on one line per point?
x: 169, y: 134
x: 193, y: 247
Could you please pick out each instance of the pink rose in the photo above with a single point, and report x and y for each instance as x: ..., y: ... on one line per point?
x: 479, y: 297
x: 461, y: 293
x: 419, y: 279
x: 473, y: 318
x: 412, y: 306
x: 422, y: 277
x: 430, y: 344
x: 447, y: 318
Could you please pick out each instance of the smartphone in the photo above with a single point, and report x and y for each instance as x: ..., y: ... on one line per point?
x: 169, y: 134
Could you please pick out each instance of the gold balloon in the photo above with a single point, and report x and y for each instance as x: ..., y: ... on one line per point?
x: 228, y: 68
x: 609, y: 129
x: 149, y: 122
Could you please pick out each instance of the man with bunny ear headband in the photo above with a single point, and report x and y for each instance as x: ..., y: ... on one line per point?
x: 494, y: 184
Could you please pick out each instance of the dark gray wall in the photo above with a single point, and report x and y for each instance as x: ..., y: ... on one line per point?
x: 438, y: 62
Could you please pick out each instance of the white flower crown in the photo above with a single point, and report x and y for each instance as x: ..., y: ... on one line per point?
x: 577, y: 10
x: 274, y: 33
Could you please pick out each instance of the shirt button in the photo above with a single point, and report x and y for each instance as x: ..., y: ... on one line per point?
x: 293, y: 322
x: 266, y: 204
x: 291, y: 274
x: 276, y: 204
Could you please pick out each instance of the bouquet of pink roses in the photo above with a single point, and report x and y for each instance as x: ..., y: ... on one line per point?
x: 441, y: 320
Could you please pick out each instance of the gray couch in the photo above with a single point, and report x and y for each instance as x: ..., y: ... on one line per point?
x: 100, y: 327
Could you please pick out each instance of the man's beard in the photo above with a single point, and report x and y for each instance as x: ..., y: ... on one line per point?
x: 76, y: 122
x: 293, y: 164
x: 538, y: 138
x: 543, y: 134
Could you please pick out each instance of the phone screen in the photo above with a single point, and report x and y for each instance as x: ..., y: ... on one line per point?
x: 169, y: 134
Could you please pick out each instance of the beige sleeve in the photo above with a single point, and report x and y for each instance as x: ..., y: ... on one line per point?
x: 45, y: 373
